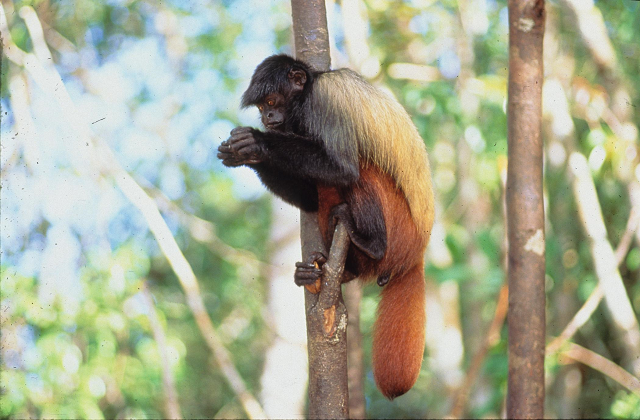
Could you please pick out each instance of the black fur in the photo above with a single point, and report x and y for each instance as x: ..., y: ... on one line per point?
x: 272, y: 75
x: 292, y: 189
x: 306, y: 158
x: 293, y: 162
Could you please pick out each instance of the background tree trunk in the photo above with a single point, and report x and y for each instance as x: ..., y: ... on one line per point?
x: 525, y: 211
x: 355, y: 362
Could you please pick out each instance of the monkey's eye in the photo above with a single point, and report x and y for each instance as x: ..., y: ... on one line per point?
x: 271, y: 102
x: 260, y: 108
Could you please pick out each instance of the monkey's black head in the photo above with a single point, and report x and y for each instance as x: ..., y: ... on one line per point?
x: 280, y: 74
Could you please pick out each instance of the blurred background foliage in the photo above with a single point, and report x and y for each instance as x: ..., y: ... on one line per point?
x: 159, y: 82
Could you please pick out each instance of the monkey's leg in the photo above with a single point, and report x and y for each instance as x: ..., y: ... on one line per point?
x: 365, y: 225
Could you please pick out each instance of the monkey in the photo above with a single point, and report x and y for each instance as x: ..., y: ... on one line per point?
x: 336, y: 145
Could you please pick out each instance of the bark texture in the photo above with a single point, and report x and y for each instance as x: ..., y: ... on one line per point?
x: 326, y: 312
x: 525, y: 211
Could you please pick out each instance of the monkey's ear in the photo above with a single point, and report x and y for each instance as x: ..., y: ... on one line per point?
x: 298, y: 78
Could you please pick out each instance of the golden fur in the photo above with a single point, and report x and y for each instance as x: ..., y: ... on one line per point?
x: 360, y: 123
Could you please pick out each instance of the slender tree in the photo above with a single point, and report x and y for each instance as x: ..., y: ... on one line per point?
x: 326, y: 312
x: 525, y: 211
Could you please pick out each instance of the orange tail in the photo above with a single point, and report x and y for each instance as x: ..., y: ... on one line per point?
x: 398, y: 337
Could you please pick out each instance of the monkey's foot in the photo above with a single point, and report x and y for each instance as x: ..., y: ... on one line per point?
x: 309, y: 272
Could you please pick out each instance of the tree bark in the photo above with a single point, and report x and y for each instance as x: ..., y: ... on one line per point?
x: 352, y: 297
x: 525, y: 211
x: 326, y: 312
x: 310, y: 33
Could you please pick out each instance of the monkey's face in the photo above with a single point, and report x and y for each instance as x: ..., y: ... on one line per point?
x: 272, y: 110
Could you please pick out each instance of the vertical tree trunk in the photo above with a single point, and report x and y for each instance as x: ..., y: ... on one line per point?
x: 310, y: 33
x: 525, y: 211
x: 326, y: 312
x: 352, y: 297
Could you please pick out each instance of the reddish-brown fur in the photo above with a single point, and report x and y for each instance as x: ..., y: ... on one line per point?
x: 398, y: 341
x: 398, y: 336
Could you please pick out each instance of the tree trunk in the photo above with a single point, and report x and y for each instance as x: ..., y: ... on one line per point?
x: 525, y: 211
x: 353, y: 297
x: 326, y: 312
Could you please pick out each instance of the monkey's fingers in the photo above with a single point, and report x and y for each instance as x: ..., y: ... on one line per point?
x: 235, y: 138
x: 230, y: 160
x: 239, y: 144
x: 224, y: 154
x: 233, y: 149
x: 249, y: 152
x: 306, y: 276
x: 239, y: 130
x: 240, y: 137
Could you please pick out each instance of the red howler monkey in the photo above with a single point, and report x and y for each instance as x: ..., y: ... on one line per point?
x: 337, y: 146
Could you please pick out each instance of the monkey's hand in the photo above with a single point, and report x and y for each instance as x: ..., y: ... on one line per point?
x: 242, y: 148
x: 309, y: 272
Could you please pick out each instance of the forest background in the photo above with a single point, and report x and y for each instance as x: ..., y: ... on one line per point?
x: 134, y: 265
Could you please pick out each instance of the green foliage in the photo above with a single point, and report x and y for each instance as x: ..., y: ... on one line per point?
x: 625, y: 406
x: 161, y: 81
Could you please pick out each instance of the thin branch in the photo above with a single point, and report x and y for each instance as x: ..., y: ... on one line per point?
x: 9, y: 48
x: 632, y: 226
x: 603, y: 365
x: 592, y: 302
x: 204, y: 231
x: 330, y: 291
x: 578, y: 320
x: 604, y: 259
x: 186, y: 276
x: 594, y: 32
x: 23, y: 119
x: 172, y: 407
x: 49, y: 80
x: 56, y: 40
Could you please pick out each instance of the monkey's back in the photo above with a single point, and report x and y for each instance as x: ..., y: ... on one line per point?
x: 361, y: 124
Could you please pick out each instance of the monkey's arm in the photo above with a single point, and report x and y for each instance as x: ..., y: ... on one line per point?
x: 292, y: 154
x: 294, y: 190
